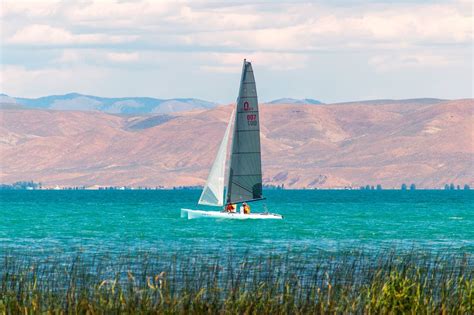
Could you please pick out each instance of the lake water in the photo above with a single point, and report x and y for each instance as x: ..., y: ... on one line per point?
x: 43, y: 222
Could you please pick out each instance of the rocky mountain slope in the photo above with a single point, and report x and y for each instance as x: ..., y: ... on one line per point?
x: 304, y: 146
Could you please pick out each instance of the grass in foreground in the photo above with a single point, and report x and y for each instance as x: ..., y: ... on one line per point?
x: 393, y: 283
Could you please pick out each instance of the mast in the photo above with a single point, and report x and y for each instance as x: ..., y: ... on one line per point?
x: 244, y: 182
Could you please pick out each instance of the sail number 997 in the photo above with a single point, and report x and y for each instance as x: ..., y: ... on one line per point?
x: 252, y: 119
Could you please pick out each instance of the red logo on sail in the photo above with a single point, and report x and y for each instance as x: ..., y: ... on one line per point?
x: 246, y: 106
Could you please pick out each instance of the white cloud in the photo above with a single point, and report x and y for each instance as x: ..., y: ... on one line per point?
x: 30, y: 9
x: 68, y: 56
x: 46, y: 35
x: 122, y: 57
x: 18, y: 80
x: 230, y: 62
x: 274, y: 26
x: 117, y: 13
x: 391, y: 62
x: 52, y: 37
x: 36, y: 33
x: 221, y: 69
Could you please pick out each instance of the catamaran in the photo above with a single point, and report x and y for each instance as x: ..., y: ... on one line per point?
x: 241, y: 181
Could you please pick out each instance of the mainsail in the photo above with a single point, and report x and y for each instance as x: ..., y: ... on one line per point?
x: 213, y: 192
x: 245, y: 174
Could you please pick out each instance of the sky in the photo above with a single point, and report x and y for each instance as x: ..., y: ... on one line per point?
x: 333, y: 51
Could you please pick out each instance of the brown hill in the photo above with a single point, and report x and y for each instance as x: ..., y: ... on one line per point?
x: 312, y: 146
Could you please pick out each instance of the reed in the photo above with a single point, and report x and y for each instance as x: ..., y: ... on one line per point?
x: 388, y: 282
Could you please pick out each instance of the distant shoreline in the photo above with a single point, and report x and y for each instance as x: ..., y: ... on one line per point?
x: 32, y: 185
x: 199, y: 189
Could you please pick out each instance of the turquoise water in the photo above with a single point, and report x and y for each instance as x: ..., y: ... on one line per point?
x: 123, y: 221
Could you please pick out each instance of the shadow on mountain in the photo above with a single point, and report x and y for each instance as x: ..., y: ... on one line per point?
x: 149, y: 122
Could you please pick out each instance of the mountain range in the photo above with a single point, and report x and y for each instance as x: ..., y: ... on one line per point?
x: 288, y: 100
x: 425, y: 142
x: 122, y: 105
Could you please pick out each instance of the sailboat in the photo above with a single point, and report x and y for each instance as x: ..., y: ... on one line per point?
x: 241, y: 181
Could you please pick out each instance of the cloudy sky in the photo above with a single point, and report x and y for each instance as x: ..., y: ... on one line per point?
x: 333, y: 51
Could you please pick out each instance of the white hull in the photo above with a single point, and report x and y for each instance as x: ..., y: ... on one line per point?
x: 195, y: 214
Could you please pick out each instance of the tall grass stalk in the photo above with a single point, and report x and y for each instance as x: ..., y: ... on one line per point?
x: 387, y: 283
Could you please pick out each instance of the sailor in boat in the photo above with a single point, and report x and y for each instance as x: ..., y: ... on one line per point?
x: 246, y: 208
x: 230, y: 208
